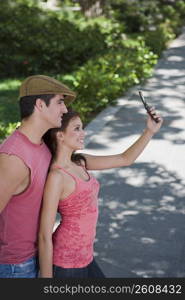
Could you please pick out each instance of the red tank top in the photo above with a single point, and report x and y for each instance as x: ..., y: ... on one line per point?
x: 19, y: 219
x: 74, y: 237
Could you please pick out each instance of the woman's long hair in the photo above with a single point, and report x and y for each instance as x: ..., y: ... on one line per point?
x: 50, y: 138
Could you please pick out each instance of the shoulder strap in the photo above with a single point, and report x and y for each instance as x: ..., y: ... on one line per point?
x: 65, y: 171
x: 86, y: 171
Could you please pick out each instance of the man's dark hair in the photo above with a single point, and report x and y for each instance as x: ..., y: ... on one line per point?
x: 27, y: 103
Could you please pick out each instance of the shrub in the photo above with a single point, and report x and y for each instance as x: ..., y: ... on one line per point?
x: 102, y: 79
x: 159, y: 38
x: 7, y: 130
x: 139, y: 16
x: 43, y: 43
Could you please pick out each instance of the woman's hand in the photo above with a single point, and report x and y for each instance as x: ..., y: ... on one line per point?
x: 152, y: 126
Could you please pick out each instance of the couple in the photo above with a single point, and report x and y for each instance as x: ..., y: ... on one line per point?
x: 40, y: 174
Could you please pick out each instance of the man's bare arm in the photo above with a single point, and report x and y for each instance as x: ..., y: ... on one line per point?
x: 14, y: 178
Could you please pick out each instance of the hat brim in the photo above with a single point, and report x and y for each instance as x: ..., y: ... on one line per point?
x: 68, y: 99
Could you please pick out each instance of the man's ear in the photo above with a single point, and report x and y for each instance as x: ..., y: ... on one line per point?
x: 39, y: 104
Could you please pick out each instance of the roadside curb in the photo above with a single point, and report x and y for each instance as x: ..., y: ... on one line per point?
x: 105, y: 116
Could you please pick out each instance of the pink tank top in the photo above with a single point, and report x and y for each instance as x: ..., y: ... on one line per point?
x: 74, y: 238
x: 19, y: 219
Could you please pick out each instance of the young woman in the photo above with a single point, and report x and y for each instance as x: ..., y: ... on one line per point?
x: 73, y: 192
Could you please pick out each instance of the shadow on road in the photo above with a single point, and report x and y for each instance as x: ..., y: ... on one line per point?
x: 139, y: 224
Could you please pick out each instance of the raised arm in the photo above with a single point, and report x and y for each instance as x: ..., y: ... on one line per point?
x: 14, y: 178
x: 52, y: 193
x: 127, y: 157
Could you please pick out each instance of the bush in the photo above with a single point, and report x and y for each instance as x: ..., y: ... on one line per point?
x: 102, y: 79
x: 42, y: 43
x: 159, y: 38
x: 7, y: 130
x: 139, y: 16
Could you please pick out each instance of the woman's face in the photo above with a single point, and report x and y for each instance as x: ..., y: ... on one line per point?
x: 73, y: 136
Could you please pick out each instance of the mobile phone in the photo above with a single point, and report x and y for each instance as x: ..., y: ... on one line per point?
x: 147, y: 107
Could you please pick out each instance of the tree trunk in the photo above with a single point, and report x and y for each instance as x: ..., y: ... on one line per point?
x: 92, y: 8
x: 52, y: 3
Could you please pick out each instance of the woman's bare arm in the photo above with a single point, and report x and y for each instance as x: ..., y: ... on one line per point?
x: 52, y: 193
x: 127, y: 157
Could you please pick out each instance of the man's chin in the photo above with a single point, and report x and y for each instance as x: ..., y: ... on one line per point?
x: 58, y: 124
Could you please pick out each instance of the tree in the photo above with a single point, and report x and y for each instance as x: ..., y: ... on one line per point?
x: 92, y: 8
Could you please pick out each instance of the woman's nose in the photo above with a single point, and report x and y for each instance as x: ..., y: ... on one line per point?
x: 83, y: 133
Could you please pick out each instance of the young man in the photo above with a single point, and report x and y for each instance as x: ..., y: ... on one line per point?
x: 24, y: 162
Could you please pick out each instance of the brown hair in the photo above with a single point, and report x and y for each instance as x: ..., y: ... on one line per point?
x: 51, y: 140
x: 27, y: 104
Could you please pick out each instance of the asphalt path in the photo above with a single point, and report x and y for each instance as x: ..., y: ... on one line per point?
x: 141, y: 226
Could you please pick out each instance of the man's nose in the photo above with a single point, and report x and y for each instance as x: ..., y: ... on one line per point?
x: 64, y: 108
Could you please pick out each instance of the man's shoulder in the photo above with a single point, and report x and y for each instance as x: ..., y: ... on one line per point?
x: 8, y: 140
x: 15, y: 144
x: 8, y: 153
x: 11, y: 163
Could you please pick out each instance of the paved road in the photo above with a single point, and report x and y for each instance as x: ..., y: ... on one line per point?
x: 141, y: 228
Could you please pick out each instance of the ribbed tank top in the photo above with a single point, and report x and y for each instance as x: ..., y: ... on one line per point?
x: 19, y: 219
x: 73, y: 239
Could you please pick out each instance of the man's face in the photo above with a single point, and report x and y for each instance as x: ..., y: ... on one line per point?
x: 54, y: 112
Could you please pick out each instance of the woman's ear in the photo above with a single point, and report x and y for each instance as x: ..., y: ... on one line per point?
x: 60, y: 136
